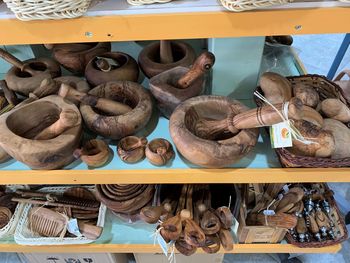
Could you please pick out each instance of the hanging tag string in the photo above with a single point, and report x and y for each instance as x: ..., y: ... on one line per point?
x: 268, y: 208
x: 284, y: 116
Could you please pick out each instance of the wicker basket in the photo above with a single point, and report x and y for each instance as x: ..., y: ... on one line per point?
x: 24, y: 236
x: 242, y: 5
x: 340, y: 237
x: 47, y: 9
x: 326, y: 89
x: 146, y: 2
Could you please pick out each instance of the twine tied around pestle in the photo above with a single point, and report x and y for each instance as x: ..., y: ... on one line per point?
x: 284, y: 116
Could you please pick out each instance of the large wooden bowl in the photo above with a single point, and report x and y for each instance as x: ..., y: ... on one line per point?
x: 20, y: 125
x: 210, y: 153
x: 149, y: 58
x: 119, y: 126
x: 128, y: 69
x: 75, y: 57
x: 25, y: 83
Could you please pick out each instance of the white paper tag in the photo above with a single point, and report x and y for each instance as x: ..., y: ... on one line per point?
x: 73, y: 227
x: 286, y: 188
x: 280, y: 196
x: 163, y: 245
x: 235, y: 225
x: 269, y: 212
x: 281, y: 135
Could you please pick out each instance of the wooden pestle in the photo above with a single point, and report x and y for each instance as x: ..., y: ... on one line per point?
x: 254, y: 118
x: 68, y: 119
x: 202, y: 64
x: 9, y: 94
x: 106, y: 105
x: 16, y: 62
x: 166, y: 53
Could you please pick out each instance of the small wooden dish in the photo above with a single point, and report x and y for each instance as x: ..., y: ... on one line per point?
x: 131, y: 149
x: 159, y: 152
x: 95, y: 153
x: 126, y: 68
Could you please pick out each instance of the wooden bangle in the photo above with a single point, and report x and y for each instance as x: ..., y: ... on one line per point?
x: 212, y: 244
x: 226, y: 217
x: 226, y: 239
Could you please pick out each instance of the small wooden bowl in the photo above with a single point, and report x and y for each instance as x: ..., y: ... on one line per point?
x: 120, y: 126
x: 20, y: 125
x: 95, y: 153
x: 149, y: 61
x: 210, y: 153
x: 76, y: 56
x: 128, y: 69
x: 131, y: 149
x: 24, y: 83
x: 159, y: 151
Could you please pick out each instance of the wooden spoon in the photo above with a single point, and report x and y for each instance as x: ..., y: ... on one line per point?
x: 106, y: 105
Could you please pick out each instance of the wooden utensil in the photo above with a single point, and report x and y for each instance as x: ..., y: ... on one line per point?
x: 211, y: 244
x: 226, y: 239
x: 174, y: 86
x: 106, y: 105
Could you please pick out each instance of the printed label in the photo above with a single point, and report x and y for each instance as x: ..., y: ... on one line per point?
x: 73, y: 227
x: 281, y: 135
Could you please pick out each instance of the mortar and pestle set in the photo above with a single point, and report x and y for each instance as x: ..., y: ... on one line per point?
x: 96, y: 61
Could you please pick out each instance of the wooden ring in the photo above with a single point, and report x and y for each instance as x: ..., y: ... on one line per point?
x: 212, y: 244
x: 226, y: 239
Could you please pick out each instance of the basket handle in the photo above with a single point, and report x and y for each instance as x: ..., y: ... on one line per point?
x: 342, y: 74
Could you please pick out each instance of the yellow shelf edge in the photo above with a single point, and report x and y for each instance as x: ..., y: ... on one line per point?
x: 214, y: 24
x: 146, y: 248
x: 163, y: 176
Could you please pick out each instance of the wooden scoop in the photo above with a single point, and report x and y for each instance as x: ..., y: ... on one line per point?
x: 259, y: 117
x: 106, y: 105
x: 68, y: 119
x: 202, y: 65
x: 17, y: 63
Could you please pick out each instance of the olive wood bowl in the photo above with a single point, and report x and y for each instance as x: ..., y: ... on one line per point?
x: 159, y: 152
x: 119, y: 126
x: 217, y: 153
x: 127, y: 69
x: 24, y: 82
x: 131, y: 149
x: 19, y: 126
x: 150, y: 58
x: 76, y: 56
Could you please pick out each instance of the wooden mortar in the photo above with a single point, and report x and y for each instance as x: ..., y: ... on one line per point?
x: 164, y: 55
x: 119, y: 126
x: 159, y: 152
x: 24, y: 77
x: 76, y: 56
x: 19, y: 126
x: 99, y: 70
x: 222, y: 152
x: 174, y: 86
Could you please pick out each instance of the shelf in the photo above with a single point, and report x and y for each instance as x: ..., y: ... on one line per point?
x: 111, y: 20
x: 121, y: 237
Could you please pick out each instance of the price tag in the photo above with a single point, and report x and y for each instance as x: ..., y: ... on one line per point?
x: 286, y: 188
x: 163, y: 244
x: 281, y: 135
x: 269, y: 212
x: 73, y: 227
